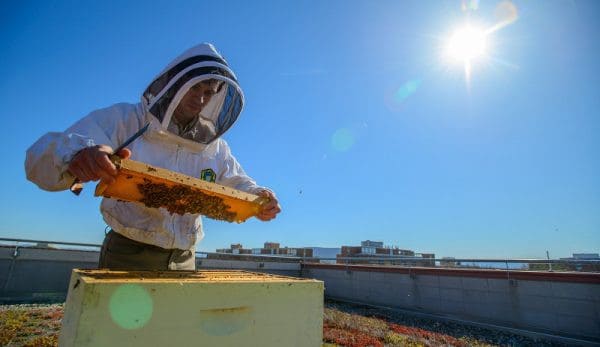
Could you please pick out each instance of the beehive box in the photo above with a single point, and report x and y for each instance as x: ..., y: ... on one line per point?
x: 157, y: 187
x: 187, y: 308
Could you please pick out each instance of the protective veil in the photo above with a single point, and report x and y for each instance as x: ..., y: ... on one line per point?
x: 198, y: 65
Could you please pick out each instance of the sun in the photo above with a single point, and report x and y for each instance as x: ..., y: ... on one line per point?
x: 466, y: 44
x: 471, y: 44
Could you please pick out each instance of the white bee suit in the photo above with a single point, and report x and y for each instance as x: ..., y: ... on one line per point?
x: 48, y: 158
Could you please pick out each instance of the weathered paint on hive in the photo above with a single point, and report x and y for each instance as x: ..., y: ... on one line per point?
x: 95, y: 276
x: 212, y: 308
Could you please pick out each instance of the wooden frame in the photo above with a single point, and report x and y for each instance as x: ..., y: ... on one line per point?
x: 134, y: 175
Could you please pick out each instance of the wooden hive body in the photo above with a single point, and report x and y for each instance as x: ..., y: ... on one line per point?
x: 187, y: 308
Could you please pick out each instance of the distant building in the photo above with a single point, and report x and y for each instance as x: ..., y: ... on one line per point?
x: 235, y: 248
x: 578, y: 262
x: 271, y: 245
x: 585, y: 256
x: 270, y: 248
x: 368, y: 250
x: 430, y: 262
x: 573, y: 264
x: 370, y: 243
x: 449, y: 262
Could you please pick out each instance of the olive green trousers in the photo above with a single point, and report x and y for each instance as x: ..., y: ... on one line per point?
x: 121, y: 253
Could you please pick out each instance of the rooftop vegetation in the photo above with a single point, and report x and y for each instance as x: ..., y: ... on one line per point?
x: 343, y: 325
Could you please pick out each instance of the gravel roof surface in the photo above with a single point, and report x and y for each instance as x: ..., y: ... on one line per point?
x: 385, y: 325
x: 30, y: 325
x: 343, y: 325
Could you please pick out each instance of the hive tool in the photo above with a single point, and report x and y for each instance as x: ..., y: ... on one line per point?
x: 77, y: 186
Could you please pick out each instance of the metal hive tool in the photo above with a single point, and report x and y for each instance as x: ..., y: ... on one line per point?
x: 157, y: 187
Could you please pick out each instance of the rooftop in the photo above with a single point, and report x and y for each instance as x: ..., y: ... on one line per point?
x: 344, y: 325
x: 435, y: 305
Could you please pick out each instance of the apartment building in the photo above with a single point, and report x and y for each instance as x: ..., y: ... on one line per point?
x: 270, y: 248
x: 374, y: 252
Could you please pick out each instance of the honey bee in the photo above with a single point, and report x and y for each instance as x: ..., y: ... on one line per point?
x: 181, y: 199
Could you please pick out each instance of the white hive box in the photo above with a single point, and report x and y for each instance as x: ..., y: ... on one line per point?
x: 187, y: 308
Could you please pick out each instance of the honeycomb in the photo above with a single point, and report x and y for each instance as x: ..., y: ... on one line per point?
x: 182, y: 199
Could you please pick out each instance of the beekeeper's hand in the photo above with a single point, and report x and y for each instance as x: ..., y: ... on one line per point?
x: 271, y: 208
x: 92, y: 164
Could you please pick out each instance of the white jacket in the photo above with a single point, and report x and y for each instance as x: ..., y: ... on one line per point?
x: 48, y: 158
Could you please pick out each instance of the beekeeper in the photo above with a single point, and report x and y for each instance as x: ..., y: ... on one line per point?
x: 189, y: 105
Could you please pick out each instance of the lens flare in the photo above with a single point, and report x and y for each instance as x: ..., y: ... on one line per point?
x: 406, y: 90
x: 342, y: 140
x: 396, y: 96
x: 505, y: 13
x: 469, y: 5
x: 130, y: 306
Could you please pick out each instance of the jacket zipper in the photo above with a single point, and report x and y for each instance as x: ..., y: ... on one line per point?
x: 175, y: 231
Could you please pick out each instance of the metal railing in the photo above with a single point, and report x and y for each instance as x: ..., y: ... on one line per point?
x: 388, y: 260
x: 46, y: 242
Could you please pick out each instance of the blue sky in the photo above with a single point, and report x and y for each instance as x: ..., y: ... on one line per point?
x: 352, y: 116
